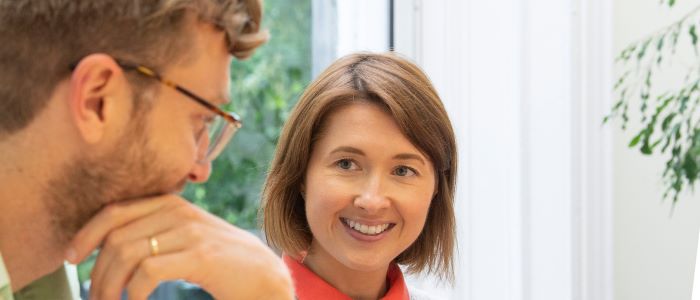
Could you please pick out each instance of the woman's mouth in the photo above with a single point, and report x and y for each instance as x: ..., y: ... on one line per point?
x: 367, y: 229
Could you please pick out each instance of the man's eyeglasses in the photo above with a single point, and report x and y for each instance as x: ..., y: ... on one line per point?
x: 220, y: 128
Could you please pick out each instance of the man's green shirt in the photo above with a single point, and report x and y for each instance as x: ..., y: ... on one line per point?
x: 62, y: 284
x: 5, y: 292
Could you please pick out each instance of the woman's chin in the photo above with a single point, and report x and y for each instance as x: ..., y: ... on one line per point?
x: 362, y: 263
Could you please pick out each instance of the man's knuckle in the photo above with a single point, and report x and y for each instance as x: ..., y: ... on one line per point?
x: 113, y: 240
x: 124, y: 254
x: 193, y: 232
x: 187, y: 212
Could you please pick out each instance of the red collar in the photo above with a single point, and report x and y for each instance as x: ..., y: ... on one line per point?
x: 308, y: 286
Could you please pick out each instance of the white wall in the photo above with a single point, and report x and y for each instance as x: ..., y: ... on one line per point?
x: 654, y: 246
x: 524, y: 82
x: 344, y: 26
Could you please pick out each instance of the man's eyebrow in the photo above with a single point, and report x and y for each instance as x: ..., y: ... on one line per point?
x: 347, y: 149
x: 407, y: 156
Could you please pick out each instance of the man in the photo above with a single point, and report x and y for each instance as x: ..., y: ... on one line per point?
x: 107, y: 108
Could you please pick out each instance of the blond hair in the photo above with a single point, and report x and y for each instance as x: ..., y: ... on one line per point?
x: 41, y: 39
x: 401, y: 88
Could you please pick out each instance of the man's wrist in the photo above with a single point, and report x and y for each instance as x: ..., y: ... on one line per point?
x: 278, y: 285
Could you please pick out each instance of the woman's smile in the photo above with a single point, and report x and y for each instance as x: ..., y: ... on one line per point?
x: 366, y: 231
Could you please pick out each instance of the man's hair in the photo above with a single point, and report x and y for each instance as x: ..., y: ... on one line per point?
x: 41, y: 39
x: 405, y: 92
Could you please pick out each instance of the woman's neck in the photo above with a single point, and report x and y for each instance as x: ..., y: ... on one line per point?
x: 356, y: 284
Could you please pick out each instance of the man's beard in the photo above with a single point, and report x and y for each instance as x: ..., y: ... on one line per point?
x: 88, y: 184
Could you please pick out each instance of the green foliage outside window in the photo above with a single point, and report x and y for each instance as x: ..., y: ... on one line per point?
x: 263, y: 90
x: 670, y: 119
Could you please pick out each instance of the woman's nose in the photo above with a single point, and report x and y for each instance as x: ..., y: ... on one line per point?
x: 373, y: 198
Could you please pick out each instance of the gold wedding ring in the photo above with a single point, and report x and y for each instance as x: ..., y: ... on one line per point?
x: 154, y: 245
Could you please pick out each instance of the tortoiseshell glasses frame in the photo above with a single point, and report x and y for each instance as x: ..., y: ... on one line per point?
x: 220, y: 129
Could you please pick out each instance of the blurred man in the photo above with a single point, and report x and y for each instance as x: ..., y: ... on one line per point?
x: 107, y: 109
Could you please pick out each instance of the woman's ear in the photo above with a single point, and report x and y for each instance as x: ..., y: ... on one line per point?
x: 436, y: 188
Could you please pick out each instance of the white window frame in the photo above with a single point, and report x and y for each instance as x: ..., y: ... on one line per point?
x: 341, y: 27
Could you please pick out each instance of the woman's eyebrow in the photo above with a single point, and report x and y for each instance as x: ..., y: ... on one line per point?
x: 348, y: 149
x: 401, y: 156
x: 407, y: 156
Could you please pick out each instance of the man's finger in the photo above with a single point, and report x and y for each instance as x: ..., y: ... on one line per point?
x: 159, y: 268
x: 112, y: 270
x: 109, y: 218
x: 117, y: 262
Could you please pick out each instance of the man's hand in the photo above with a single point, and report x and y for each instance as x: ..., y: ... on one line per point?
x: 192, y: 244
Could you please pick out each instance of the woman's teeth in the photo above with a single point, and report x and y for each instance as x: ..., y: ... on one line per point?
x: 364, y: 229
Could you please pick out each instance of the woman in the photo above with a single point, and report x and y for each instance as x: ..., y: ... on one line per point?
x: 363, y: 181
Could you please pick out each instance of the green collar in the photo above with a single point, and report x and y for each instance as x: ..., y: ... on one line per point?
x: 61, y: 284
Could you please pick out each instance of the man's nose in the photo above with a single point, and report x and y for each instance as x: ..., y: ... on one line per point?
x: 202, y: 167
x: 200, y: 172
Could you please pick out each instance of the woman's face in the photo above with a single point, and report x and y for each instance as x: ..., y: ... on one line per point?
x: 367, y: 189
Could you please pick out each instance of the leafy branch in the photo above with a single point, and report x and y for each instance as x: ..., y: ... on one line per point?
x: 670, y: 120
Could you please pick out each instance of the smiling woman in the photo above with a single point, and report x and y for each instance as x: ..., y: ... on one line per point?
x: 363, y: 181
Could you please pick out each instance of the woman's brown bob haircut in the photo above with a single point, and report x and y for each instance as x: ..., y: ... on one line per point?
x: 406, y: 93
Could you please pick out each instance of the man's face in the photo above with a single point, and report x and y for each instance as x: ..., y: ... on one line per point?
x: 161, y: 149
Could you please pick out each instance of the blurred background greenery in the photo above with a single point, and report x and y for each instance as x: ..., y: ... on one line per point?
x: 263, y: 89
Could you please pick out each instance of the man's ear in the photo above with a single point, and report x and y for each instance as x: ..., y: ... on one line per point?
x: 97, y: 88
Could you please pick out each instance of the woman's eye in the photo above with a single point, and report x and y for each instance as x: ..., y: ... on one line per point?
x: 345, y: 164
x: 404, y: 171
